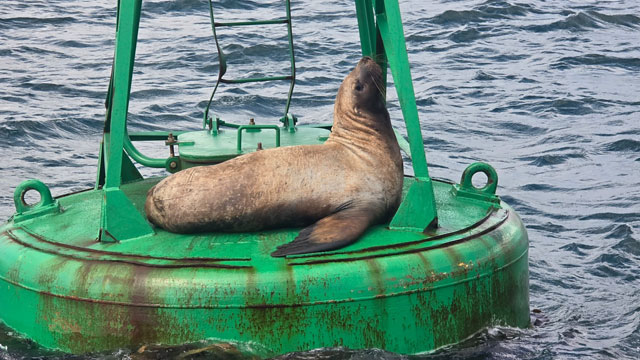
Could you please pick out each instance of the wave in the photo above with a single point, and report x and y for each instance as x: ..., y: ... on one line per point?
x: 576, y: 22
x: 25, y: 132
x: 520, y: 128
x: 483, y: 13
x: 562, y: 106
x: 428, y: 101
x: 606, y: 271
x: 49, y: 88
x: 22, y: 22
x: 578, y: 249
x: 455, y: 17
x: 627, y: 20
x: 628, y: 246
x: 622, y: 231
x: 624, y: 145
x: 543, y: 187
x: 630, y: 63
x: 483, y: 76
x: 549, y: 228
x: 611, y: 261
x: 617, y: 217
x: 72, y: 44
x: 187, y: 6
x: 471, y: 34
x: 583, y: 21
x: 551, y: 159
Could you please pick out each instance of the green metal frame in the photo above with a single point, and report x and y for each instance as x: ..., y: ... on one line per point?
x: 381, y: 37
x: 288, y: 119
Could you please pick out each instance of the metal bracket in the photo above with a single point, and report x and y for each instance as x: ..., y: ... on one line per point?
x: 466, y: 188
x: 257, y: 127
x: 289, y: 122
x: 46, y: 205
x: 417, y: 212
x: 120, y: 218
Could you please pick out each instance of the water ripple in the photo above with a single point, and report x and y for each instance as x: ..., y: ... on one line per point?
x: 624, y: 145
x: 597, y: 59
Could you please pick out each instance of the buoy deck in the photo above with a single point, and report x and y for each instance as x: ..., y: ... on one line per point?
x: 401, y: 290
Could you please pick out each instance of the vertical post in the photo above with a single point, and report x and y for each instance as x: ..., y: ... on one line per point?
x: 367, y: 27
x: 120, y: 219
x: 390, y: 25
x: 126, y: 39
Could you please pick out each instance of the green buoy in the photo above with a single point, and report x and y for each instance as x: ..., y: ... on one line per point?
x: 86, y: 272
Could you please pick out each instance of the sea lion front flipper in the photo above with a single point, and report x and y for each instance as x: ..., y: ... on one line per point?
x: 337, y: 230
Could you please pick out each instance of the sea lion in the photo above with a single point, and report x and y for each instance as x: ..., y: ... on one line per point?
x: 337, y: 189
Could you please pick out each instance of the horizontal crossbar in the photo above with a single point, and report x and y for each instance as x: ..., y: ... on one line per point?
x: 249, y: 23
x: 249, y: 80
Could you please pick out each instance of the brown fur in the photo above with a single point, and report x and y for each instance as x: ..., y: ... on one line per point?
x: 339, y: 188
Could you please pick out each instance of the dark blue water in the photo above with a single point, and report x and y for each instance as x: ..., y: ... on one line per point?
x: 548, y: 92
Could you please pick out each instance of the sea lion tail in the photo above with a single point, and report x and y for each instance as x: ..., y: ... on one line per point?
x: 337, y: 230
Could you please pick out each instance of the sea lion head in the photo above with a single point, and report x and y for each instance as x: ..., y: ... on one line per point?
x: 363, y: 89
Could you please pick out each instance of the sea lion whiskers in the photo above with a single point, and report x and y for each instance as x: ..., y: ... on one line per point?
x: 382, y: 91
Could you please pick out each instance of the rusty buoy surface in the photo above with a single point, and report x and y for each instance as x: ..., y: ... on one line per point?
x: 399, y: 290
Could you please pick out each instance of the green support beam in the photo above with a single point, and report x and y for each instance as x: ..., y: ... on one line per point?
x: 120, y: 220
x: 392, y: 34
x: 367, y: 27
x: 126, y: 39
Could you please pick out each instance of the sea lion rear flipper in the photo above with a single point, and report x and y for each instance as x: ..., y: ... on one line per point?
x: 332, y: 232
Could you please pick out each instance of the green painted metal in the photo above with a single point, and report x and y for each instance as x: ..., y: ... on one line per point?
x: 46, y: 205
x: 259, y: 128
x: 366, y: 27
x: 402, y: 142
x: 118, y: 220
x: 223, y: 61
x: 417, y: 210
x: 404, y: 291
x: 115, y: 130
x: 140, y: 157
x: 86, y: 272
x: 251, y: 23
x: 485, y: 193
x: 209, y: 147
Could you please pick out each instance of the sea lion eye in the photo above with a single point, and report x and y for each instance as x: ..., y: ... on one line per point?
x: 358, y: 86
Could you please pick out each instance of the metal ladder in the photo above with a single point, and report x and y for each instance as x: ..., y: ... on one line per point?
x: 288, y: 119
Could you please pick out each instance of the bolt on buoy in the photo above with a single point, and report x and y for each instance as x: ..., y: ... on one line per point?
x: 171, y: 140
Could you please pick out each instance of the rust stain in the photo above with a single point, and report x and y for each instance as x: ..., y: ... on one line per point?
x: 411, y: 251
x: 93, y: 257
x: 490, y: 213
x: 115, y: 253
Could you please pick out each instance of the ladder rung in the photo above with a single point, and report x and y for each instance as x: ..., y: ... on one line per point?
x: 248, y: 23
x: 248, y: 80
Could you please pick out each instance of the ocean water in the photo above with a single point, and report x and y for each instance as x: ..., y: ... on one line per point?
x: 548, y: 92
